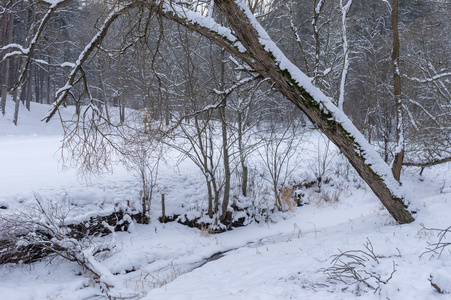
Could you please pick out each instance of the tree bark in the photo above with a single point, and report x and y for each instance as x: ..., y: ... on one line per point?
x: 7, y: 38
x: 399, y: 151
x: 17, y: 94
x: 227, y: 172
x: 30, y: 87
x: 244, y: 175
x: 225, y: 146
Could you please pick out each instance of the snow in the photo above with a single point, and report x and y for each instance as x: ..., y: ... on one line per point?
x: 280, y: 259
x: 68, y: 64
x: 319, y: 6
x: 21, y: 51
x: 206, y: 22
x: 14, y: 45
x: 64, y: 88
x: 53, y: 3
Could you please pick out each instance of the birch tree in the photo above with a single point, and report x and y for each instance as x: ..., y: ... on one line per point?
x: 344, y: 73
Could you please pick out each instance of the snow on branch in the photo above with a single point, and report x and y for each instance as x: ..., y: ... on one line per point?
x: 241, y: 66
x: 389, y: 7
x: 430, y: 79
x: 206, y: 22
x: 220, y: 103
x: 425, y: 111
x: 45, y: 63
x: 235, y: 86
x: 21, y: 51
x: 319, y: 6
x: 53, y: 3
x: 344, y: 14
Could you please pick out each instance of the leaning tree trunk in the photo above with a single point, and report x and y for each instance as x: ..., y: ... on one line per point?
x: 264, y: 62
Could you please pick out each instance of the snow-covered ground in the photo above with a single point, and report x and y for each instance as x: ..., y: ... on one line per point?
x: 283, y: 259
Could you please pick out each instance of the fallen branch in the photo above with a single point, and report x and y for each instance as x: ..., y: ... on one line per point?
x: 427, y: 164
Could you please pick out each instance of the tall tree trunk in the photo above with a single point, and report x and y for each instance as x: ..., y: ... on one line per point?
x: 17, y: 94
x: 227, y: 173
x: 3, y: 100
x: 30, y: 87
x: 49, y: 78
x: 244, y: 175
x: 216, y: 187
x: 7, y: 38
x: 399, y: 151
x: 225, y: 146
x: 318, y: 7
x: 39, y: 84
x: 204, y: 156
x: 344, y: 73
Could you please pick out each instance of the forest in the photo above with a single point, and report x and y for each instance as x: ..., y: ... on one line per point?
x: 268, y: 108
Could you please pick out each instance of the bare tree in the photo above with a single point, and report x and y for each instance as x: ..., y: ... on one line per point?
x: 280, y: 152
x: 142, y: 153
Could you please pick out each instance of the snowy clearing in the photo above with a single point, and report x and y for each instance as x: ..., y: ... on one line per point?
x: 286, y: 258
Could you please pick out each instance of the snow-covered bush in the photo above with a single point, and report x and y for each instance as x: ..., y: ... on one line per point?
x: 142, y: 153
x: 42, y: 230
x: 280, y: 155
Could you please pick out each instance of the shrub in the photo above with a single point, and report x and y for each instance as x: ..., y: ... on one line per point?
x: 358, y: 268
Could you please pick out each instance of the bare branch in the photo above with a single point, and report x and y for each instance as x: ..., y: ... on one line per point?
x: 431, y: 79
x: 95, y: 41
x: 427, y: 164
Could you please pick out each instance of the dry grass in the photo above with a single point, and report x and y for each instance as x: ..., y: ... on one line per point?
x: 205, y: 230
x: 287, y: 199
x: 324, y: 197
x: 148, y: 281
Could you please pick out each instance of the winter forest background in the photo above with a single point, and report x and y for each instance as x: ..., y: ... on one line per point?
x: 224, y: 115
